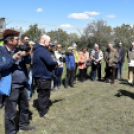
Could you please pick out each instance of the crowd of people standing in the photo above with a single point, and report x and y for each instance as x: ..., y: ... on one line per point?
x: 43, y: 63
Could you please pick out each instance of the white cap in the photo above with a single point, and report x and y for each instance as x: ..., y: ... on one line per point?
x: 74, y: 45
x: 70, y: 48
x: 133, y: 43
x: 120, y: 43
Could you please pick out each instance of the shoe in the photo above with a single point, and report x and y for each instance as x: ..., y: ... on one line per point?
x: 66, y: 87
x: 112, y: 84
x: 130, y: 82
x: 58, y: 87
x: 55, y: 88
x: 30, y: 99
x: 47, y: 116
x: 74, y: 82
x: 1, y: 106
x: 27, y: 128
x: 72, y: 86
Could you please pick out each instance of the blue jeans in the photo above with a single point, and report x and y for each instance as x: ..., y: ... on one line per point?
x: 58, y: 74
x: 30, y: 83
x: 120, y: 67
x: 95, y: 68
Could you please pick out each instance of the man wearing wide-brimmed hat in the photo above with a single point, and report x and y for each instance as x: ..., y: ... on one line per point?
x: 14, y: 71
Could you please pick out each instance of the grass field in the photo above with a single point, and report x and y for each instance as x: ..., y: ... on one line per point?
x: 90, y: 108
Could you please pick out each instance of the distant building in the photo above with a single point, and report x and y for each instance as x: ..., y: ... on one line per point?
x: 2, y: 26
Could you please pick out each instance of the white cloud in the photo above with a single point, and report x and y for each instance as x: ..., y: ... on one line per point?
x: 111, y: 16
x: 82, y: 16
x: 66, y: 26
x: 131, y: 25
x: 92, y: 13
x: 39, y: 10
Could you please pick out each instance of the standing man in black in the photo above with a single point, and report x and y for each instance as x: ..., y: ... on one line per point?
x: 18, y: 94
x: 25, y: 41
x: 122, y: 53
x: 43, y: 66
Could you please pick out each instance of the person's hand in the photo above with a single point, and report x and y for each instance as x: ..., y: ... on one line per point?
x: 96, y: 61
x: 16, y: 56
x: 24, y: 53
x: 59, y: 64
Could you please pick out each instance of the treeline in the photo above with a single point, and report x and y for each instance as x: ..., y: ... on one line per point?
x: 95, y: 32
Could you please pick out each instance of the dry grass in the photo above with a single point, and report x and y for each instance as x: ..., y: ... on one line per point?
x: 90, y: 108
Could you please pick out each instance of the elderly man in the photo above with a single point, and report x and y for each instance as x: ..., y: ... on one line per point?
x: 111, y: 58
x: 43, y: 66
x: 130, y: 56
x: 121, y: 60
x: 14, y: 71
x: 96, y: 57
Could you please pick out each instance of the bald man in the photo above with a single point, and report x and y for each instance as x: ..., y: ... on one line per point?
x: 43, y: 65
x: 111, y: 58
x: 96, y: 56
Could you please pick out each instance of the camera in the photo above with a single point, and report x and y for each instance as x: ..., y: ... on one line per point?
x: 25, y: 48
x: 61, y: 59
x: 88, y: 63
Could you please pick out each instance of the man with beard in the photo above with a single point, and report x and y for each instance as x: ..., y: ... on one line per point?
x: 43, y: 66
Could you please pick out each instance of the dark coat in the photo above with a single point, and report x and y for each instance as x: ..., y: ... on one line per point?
x: 130, y: 55
x: 122, y: 54
x: 111, y: 57
x: 43, y: 64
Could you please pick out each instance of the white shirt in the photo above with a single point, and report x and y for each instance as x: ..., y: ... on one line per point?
x: 58, y: 55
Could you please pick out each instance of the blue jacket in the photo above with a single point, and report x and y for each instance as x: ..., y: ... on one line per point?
x: 43, y: 63
x: 69, y: 61
x: 13, y: 73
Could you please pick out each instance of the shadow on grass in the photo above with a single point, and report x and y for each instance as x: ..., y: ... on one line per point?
x: 124, y: 82
x: 35, y: 103
x: 122, y: 92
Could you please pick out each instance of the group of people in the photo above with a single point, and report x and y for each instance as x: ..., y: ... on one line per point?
x: 21, y: 63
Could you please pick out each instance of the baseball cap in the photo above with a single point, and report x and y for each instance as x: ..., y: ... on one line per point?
x: 74, y: 45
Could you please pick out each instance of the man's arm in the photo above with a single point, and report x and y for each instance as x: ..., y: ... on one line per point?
x: 6, y: 60
x: 101, y: 56
x: 27, y: 59
x: 47, y: 59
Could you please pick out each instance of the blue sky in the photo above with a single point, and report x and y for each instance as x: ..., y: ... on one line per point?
x: 67, y: 14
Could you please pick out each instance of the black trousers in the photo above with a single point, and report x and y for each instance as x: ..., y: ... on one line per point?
x: 18, y: 96
x: 2, y: 99
x: 43, y: 89
x: 82, y: 74
x: 69, y: 80
x: 110, y: 72
x: 95, y: 68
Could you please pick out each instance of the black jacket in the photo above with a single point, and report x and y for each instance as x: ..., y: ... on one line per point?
x: 122, y: 54
x: 43, y: 64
